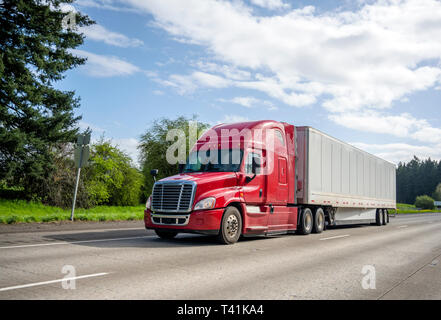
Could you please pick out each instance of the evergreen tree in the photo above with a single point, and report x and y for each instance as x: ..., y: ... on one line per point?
x: 34, y: 116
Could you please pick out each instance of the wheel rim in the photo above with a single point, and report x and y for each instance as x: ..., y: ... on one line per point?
x: 320, y: 221
x: 308, y: 222
x: 232, y: 226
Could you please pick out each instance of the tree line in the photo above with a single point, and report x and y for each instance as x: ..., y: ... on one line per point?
x: 417, y: 178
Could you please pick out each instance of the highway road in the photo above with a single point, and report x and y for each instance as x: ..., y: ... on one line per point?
x: 123, y: 261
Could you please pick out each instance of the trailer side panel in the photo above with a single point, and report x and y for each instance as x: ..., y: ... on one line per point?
x: 334, y: 173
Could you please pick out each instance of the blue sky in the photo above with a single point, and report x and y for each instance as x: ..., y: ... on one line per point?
x: 366, y: 72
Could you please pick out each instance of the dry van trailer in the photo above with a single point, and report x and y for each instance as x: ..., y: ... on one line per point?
x: 352, y: 185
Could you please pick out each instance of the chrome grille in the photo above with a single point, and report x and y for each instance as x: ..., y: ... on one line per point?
x: 173, y: 196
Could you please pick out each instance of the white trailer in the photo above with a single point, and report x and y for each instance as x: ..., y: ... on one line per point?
x: 353, y: 185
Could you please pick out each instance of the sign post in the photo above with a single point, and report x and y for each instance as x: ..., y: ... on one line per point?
x: 82, y: 152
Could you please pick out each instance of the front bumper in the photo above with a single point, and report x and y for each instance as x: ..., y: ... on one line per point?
x: 203, y: 221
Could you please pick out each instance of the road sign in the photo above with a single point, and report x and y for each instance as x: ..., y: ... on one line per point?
x: 82, y: 153
x: 83, y: 139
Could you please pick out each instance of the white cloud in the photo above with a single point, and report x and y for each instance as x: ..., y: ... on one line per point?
x: 232, y: 118
x: 428, y: 134
x: 367, y: 58
x: 247, y: 102
x: 396, y: 152
x: 250, y: 102
x: 129, y: 146
x: 189, y: 83
x: 105, y: 66
x: 270, y: 4
x: 99, y: 33
x: 227, y: 71
x: 403, y: 125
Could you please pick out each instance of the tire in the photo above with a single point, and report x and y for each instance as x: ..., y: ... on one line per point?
x: 387, y: 216
x: 379, y: 217
x: 306, y: 222
x: 231, y: 226
x: 384, y: 217
x: 167, y: 235
x: 319, y: 221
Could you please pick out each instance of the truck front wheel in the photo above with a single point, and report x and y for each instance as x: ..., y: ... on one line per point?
x: 231, y: 226
x: 168, y: 235
x: 306, y: 222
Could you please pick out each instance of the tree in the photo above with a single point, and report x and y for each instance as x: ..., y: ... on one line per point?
x: 424, y: 202
x: 58, y: 187
x: 154, y: 145
x: 111, y: 178
x: 437, y: 194
x: 34, y: 115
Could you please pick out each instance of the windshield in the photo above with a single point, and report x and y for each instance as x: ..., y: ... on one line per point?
x: 223, y: 160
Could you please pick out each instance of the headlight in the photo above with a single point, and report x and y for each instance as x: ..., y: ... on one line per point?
x: 148, y: 204
x: 207, y: 203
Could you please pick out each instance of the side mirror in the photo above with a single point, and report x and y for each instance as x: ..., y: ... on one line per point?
x: 154, y: 173
x: 255, y: 166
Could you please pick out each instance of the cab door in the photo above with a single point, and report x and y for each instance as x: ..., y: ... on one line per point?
x: 280, y: 217
x: 254, y: 189
x: 255, y: 193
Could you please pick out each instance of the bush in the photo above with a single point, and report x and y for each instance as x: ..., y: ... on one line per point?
x: 424, y: 202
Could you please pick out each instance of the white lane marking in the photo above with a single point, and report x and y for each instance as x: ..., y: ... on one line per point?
x: 400, y: 227
x: 73, y: 242
x: 336, y: 237
x: 52, y: 281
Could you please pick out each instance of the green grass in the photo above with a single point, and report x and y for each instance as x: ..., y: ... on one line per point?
x: 19, y: 211
x: 409, y: 208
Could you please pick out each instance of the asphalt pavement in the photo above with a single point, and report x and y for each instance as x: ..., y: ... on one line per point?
x: 124, y: 261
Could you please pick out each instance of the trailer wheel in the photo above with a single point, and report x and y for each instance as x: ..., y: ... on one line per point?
x: 319, y: 221
x: 231, y: 226
x: 168, y: 235
x: 384, y: 217
x: 306, y: 222
x: 379, y: 217
x: 387, y: 216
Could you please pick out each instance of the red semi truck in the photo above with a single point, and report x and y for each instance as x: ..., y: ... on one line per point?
x: 268, y: 177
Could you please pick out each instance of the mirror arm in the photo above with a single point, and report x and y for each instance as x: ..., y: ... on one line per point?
x: 249, y: 179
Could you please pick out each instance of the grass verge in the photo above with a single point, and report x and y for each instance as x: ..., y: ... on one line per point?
x: 403, y: 208
x: 19, y: 211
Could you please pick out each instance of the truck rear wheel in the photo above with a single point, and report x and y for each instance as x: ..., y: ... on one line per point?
x: 384, y: 217
x: 231, y: 226
x: 319, y: 221
x: 306, y: 221
x: 165, y: 234
x: 379, y: 217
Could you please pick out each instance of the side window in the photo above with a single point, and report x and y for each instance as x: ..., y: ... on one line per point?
x: 280, y: 137
x: 249, y: 163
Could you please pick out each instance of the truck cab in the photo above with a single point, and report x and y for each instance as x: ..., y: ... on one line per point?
x: 238, y: 180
